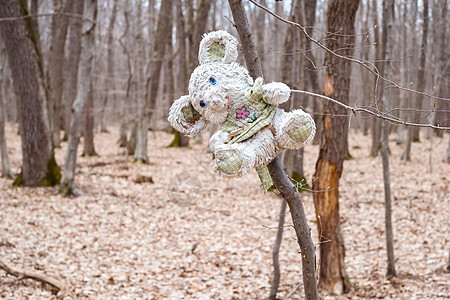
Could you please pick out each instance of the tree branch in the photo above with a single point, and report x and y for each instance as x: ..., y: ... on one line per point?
x: 366, y: 64
x: 378, y: 114
x: 279, y: 177
x: 24, y: 274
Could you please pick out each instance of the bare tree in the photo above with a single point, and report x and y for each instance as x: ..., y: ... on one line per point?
x: 88, y: 132
x: 39, y: 166
x: 84, y: 81
x: 281, y: 181
x: 72, y: 64
x: 56, y: 64
x: 110, y: 68
x: 333, y: 146
x: 421, y: 83
x: 6, y: 165
x: 388, y: 44
x: 163, y: 27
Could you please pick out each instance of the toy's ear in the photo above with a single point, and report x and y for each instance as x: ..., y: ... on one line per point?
x: 184, y: 118
x: 218, y: 46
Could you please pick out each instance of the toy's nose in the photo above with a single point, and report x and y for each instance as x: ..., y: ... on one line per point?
x: 216, y: 103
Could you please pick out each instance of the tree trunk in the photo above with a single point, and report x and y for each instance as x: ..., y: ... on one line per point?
x: 84, y: 81
x: 334, y: 147
x: 182, y: 72
x: 376, y: 123
x: 140, y: 155
x: 109, y: 82
x: 413, y: 134
x: 388, y: 44
x: 163, y: 27
x: 447, y: 156
x: 276, y: 251
x: 89, y: 149
x: 6, y: 165
x: 56, y: 64
x: 125, y: 100
x: 72, y: 64
x: 281, y: 181
x: 39, y: 165
x: 200, y: 28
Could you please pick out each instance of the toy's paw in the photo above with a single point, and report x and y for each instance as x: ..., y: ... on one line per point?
x: 297, y: 131
x: 301, y: 133
x: 229, y: 160
x: 275, y: 92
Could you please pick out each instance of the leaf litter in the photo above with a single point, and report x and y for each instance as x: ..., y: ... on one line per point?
x: 190, y: 234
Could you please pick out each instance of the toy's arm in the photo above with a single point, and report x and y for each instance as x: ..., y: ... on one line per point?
x: 217, y: 139
x: 275, y: 93
x: 184, y: 118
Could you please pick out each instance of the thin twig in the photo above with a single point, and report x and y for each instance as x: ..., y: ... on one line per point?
x: 367, y: 64
x: 377, y: 114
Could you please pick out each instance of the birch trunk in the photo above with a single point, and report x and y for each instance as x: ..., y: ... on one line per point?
x: 84, y: 81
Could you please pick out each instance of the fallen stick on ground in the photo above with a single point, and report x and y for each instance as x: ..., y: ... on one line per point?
x: 23, y: 274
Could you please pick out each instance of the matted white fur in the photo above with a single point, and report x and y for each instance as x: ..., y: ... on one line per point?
x: 217, y: 90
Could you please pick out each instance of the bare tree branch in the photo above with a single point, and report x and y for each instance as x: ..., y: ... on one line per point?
x: 367, y: 64
x: 376, y: 113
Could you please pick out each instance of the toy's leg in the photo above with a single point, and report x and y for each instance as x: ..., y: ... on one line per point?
x: 237, y: 159
x: 296, y: 128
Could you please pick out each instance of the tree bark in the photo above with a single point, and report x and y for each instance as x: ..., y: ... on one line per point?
x: 72, y: 64
x: 140, y: 155
x: 199, y: 29
x: 39, y: 166
x: 281, y: 181
x: 163, y: 27
x: 376, y: 123
x: 6, y: 165
x: 334, y: 147
x: 56, y: 64
x: 276, y: 251
x: 388, y: 43
x: 89, y: 148
x: 413, y: 133
x: 110, y: 68
x: 182, y: 72
x: 125, y: 100
x: 84, y: 81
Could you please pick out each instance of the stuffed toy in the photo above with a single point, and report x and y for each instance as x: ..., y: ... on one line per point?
x: 253, y: 130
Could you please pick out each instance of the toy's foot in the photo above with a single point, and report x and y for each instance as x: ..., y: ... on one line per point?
x: 229, y: 161
x: 297, y: 131
x: 300, y: 134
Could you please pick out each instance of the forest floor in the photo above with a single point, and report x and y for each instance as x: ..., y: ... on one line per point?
x: 191, y: 234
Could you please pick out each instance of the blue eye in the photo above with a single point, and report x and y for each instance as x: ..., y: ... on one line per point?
x: 212, y: 80
x: 202, y: 103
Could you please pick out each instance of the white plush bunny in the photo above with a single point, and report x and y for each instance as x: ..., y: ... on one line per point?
x: 253, y: 130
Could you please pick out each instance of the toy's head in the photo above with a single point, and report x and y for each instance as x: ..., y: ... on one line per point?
x: 217, y: 83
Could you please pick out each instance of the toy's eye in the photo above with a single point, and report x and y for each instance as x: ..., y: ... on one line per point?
x: 212, y: 80
x: 202, y: 103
